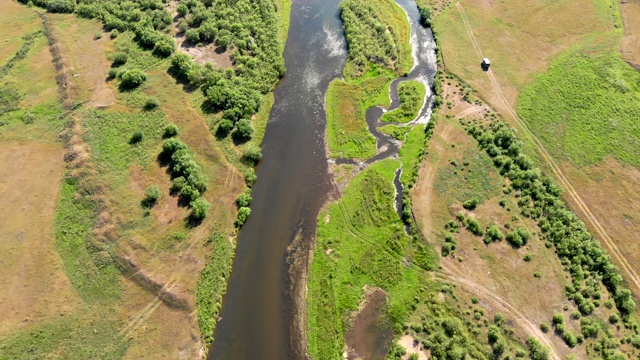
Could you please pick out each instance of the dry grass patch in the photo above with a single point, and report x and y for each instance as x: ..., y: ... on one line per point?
x: 520, y: 37
x: 630, y: 44
x: 84, y: 58
x: 35, y: 288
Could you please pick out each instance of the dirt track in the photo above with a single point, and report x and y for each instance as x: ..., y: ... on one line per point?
x: 577, y: 200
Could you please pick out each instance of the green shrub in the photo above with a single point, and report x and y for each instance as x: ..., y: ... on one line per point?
x: 133, y: 78
x: 193, y: 36
x: 243, y: 215
x: 199, y: 208
x: 474, y: 226
x: 119, y: 59
x: 151, y: 104
x: 244, y: 199
x: 470, y: 204
x: 243, y: 130
x: 544, y: 327
x: 114, y: 33
x: 136, y: 137
x: 151, y: 196
x: 252, y: 154
x: 170, y: 131
x: 493, y: 233
x: 164, y: 47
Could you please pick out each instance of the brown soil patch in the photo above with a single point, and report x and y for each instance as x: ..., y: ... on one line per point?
x: 206, y: 54
x: 34, y: 285
x: 413, y: 347
x: 369, y: 337
x: 630, y: 44
x: 86, y: 63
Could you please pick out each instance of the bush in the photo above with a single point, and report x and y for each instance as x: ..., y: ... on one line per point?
x: 244, y: 199
x: 120, y: 59
x: 470, y: 204
x: 474, y: 226
x: 518, y: 237
x: 224, y: 128
x: 131, y: 79
x: 544, y: 327
x: 243, y: 130
x: 151, y: 103
x: 170, y: 131
x: 114, y: 33
x: 164, y: 47
x: 136, y: 137
x: 151, y: 196
x: 113, y: 73
x: 243, y: 215
x: 200, y: 208
x: 182, y: 10
x: 558, y: 318
x: 252, y: 154
x: 493, y: 233
x: 193, y: 36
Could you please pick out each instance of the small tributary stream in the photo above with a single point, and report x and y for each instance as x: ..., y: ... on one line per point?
x: 259, y: 318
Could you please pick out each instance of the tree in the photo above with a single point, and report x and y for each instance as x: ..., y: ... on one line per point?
x: 164, y: 47
x: 200, y: 208
x: 224, y: 128
x: 243, y: 130
x: 133, y: 78
x: 182, y: 10
x: 252, y: 154
x: 193, y: 36
x: 243, y: 215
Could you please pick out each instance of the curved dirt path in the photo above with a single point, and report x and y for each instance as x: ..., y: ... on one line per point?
x: 591, y: 219
x: 502, y: 303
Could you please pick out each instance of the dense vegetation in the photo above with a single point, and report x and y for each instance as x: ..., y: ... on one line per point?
x: 361, y: 241
x: 412, y: 95
x: 591, y: 270
x: 585, y: 108
x: 367, y: 78
x: 377, y: 32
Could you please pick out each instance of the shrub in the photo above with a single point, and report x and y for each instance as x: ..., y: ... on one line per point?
x: 244, y: 199
x: 97, y: 35
x: 119, y: 59
x: 170, y: 131
x: 164, y: 47
x: 518, y: 237
x: 182, y: 10
x: 474, y: 226
x: 470, y: 204
x: 113, y: 73
x: 493, y: 233
x: 544, y: 327
x: 252, y: 154
x: 133, y: 78
x: 243, y: 215
x: 151, y: 103
x: 177, y: 184
x: 536, y: 350
x: 193, y: 36
x: 151, y: 196
x: 114, y: 33
x: 224, y: 128
x: 136, y: 137
x: 243, y: 130
x: 558, y: 318
x: 200, y: 208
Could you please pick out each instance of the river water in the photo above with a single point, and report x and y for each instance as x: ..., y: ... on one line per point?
x: 258, y: 318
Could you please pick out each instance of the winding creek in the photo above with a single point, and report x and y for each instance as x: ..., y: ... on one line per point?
x: 260, y: 318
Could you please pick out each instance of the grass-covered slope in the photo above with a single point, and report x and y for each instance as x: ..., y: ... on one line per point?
x: 586, y: 107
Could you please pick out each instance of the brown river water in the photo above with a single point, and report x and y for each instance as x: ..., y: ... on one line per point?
x: 259, y: 318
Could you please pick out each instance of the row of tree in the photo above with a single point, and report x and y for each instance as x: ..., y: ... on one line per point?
x: 582, y: 256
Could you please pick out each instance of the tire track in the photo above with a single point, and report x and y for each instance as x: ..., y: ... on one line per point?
x: 591, y: 219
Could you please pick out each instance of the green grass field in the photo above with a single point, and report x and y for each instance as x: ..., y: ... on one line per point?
x: 360, y: 241
x: 411, y: 96
x: 586, y: 107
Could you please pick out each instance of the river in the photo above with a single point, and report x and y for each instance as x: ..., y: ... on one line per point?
x: 259, y: 315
